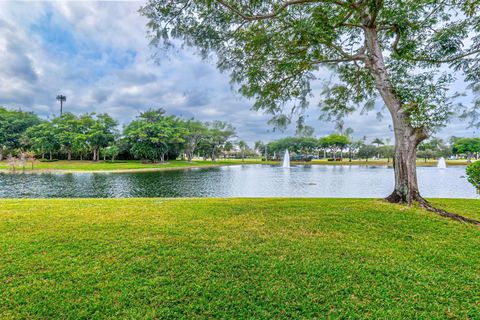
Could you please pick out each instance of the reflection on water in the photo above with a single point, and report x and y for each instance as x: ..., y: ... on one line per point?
x: 236, y: 181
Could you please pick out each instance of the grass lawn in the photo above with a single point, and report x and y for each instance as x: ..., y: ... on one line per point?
x: 133, y: 165
x: 385, y: 162
x: 77, y: 165
x: 236, y: 258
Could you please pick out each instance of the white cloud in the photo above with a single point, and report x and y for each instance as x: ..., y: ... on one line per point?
x: 97, y: 54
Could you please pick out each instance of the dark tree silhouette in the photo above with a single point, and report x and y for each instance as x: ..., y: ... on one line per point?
x: 62, y: 99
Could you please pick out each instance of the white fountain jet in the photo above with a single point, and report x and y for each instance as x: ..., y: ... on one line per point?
x: 441, y: 163
x: 286, y: 160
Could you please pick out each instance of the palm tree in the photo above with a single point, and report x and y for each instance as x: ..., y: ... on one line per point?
x: 378, y: 142
x: 62, y: 99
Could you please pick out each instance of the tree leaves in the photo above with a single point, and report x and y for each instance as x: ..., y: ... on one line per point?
x: 273, y: 50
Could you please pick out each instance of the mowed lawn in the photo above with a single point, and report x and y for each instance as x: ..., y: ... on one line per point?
x: 236, y: 258
x: 86, y: 165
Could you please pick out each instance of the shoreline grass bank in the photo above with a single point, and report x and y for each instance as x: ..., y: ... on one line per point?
x: 236, y: 258
x: 74, y: 166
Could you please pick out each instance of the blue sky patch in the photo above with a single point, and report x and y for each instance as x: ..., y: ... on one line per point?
x: 59, y: 38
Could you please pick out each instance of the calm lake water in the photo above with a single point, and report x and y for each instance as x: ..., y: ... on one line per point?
x: 236, y: 181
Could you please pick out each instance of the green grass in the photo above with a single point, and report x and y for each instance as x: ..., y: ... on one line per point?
x: 77, y: 165
x: 73, y: 166
x: 236, y: 258
x: 386, y: 162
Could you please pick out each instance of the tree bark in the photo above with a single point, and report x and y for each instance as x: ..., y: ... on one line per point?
x: 189, y: 152
x: 404, y: 164
x: 1, y: 154
x: 192, y: 146
x: 213, y: 156
x: 406, y: 137
x: 51, y: 156
x: 69, y: 155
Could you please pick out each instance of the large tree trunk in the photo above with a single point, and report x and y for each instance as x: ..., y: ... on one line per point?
x: 69, y: 155
x: 404, y: 163
x: 406, y: 138
x: 94, y: 155
x: 192, y: 146
x: 189, y: 153
x: 213, y: 156
x: 1, y: 154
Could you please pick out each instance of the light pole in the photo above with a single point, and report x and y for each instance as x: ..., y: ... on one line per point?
x: 62, y: 99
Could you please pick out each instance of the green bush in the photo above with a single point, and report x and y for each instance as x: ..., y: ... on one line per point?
x: 473, y: 174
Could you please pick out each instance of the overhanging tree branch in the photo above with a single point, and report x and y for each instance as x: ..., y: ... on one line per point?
x: 397, y: 39
x: 276, y: 12
x: 347, y: 58
x: 377, y: 4
x: 448, y: 60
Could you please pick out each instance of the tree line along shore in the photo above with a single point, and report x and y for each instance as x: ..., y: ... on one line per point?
x: 156, y: 137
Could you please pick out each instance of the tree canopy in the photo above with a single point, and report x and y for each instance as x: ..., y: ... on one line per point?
x: 13, y: 124
x: 153, y: 136
x: 275, y: 48
x: 468, y: 146
x: 406, y: 53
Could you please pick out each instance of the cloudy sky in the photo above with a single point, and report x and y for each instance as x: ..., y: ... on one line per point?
x: 97, y: 54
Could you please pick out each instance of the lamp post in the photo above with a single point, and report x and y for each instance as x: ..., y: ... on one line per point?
x: 62, y: 99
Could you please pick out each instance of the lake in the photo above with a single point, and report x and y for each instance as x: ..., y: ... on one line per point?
x: 236, y: 181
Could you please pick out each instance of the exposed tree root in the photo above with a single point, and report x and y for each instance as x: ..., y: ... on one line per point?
x: 396, y: 198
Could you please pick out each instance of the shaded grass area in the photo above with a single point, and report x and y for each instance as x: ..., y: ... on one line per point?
x: 460, y: 207
x: 132, y: 165
x: 236, y: 258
